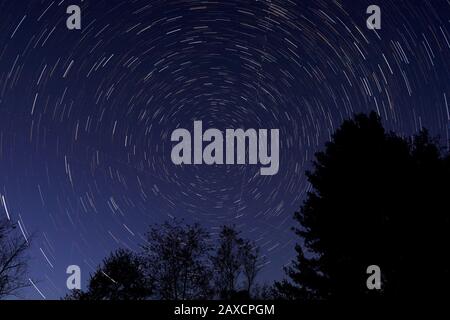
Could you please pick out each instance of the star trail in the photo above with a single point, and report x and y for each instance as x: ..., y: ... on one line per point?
x: 86, y: 115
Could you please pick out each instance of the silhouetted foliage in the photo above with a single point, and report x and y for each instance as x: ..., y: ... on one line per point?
x: 121, y: 277
x: 376, y: 199
x: 251, y: 263
x: 177, y: 262
x: 227, y: 262
x: 265, y: 292
x: 235, y: 258
x: 76, y: 294
x: 13, y: 260
x: 177, y: 259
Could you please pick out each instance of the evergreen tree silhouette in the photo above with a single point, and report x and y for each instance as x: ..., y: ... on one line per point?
x: 376, y: 199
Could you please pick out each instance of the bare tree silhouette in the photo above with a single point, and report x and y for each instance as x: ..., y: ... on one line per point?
x: 235, y: 258
x: 177, y: 259
x: 13, y: 260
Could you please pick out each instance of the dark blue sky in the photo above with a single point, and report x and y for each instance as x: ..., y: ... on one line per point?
x: 86, y: 116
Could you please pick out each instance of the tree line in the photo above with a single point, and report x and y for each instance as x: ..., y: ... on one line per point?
x: 376, y: 198
x: 178, y: 262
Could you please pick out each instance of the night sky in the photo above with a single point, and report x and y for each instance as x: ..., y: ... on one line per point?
x: 86, y: 115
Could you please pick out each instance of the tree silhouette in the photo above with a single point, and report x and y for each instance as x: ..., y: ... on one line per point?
x: 13, y: 260
x: 177, y: 262
x: 177, y: 259
x: 227, y: 262
x: 235, y: 257
x: 251, y: 263
x: 376, y: 199
x: 121, y: 277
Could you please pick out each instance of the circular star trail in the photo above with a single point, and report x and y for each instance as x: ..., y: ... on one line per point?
x: 86, y: 115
